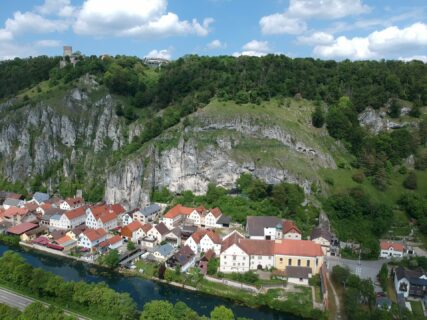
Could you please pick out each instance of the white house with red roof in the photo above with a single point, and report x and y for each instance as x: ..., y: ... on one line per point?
x: 103, y: 216
x: 72, y: 203
x: 391, y: 250
x: 159, y: 232
x: 135, y: 231
x: 91, y: 238
x: 176, y: 215
x: 205, y: 218
x: 203, y: 241
x: 291, y: 231
x: 70, y: 219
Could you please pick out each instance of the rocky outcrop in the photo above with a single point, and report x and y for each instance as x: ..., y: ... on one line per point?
x: 377, y: 121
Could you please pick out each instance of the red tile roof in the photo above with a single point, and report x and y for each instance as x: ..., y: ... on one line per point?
x: 386, y: 245
x: 73, y: 214
x: 95, y: 234
x: 199, y: 234
x: 128, y: 230
x: 108, y: 216
x: 304, y: 248
x: 63, y: 240
x: 72, y: 202
x: 22, y: 228
x: 257, y: 247
x: 216, y: 212
x: 230, y: 239
x: 114, y: 239
x: 117, y: 208
x: 14, y: 211
x: 97, y: 211
x: 289, y: 226
x: 178, y: 210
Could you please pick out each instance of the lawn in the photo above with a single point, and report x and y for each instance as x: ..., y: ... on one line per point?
x: 149, y: 268
x: 417, y: 308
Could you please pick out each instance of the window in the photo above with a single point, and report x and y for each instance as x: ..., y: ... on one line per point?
x: 289, y: 262
x: 234, y: 257
x: 281, y: 259
x: 299, y: 262
x: 308, y: 263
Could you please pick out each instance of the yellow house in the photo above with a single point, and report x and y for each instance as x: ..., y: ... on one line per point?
x: 298, y: 253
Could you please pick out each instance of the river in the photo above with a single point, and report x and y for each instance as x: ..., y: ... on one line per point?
x: 141, y: 290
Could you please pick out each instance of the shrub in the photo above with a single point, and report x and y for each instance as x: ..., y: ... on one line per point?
x: 358, y: 177
x: 411, y: 181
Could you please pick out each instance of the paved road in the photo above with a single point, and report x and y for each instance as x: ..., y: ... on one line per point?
x: 21, y: 302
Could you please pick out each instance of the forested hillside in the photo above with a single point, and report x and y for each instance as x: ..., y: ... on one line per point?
x: 120, y: 130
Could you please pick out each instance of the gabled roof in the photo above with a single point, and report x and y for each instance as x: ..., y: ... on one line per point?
x: 387, y: 245
x: 256, y: 224
x: 230, y: 239
x: 162, y: 229
x: 321, y: 233
x: 257, y: 247
x: 150, y: 210
x: 199, y: 234
x: 40, y: 197
x: 94, y: 234
x: 216, y: 212
x: 304, y: 248
x: 147, y: 227
x: 22, y: 228
x: 76, y: 213
x: 12, y: 202
x: 52, y: 210
x: 165, y: 250
x: 117, y: 208
x: 114, y: 240
x: 65, y: 240
x: 98, y: 210
x: 76, y: 201
x: 223, y: 219
x: 132, y: 227
x: 177, y: 211
x: 289, y: 226
x: 409, y: 274
x: 14, y: 211
x: 108, y: 216
x: 298, y: 272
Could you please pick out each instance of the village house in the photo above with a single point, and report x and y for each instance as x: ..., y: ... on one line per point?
x: 72, y: 203
x: 103, y: 216
x: 298, y: 275
x: 410, y: 283
x: 40, y: 197
x: 75, y: 232
x: 66, y: 242
x: 391, y: 250
x: 323, y: 237
x: 203, y: 240
x: 174, y: 237
x: 298, y: 253
x: 184, y: 259
x: 291, y: 231
x: 43, y: 208
x: 113, y: 243
x: 11, y: 202
x: 159, y: 232
x: 4, y: 195
x: 16, y: 215
x: 149, y: 214
x: 90, y: 238
x: 232, y: 257
x: 21, y: 228
x: 135, y: 231
x: 68, y: 219
x: 176, y: 215
x: 163, y: 252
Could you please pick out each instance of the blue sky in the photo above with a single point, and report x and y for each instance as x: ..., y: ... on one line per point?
x: 326, y: 29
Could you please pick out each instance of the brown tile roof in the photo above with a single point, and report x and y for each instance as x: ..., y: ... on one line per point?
x: 63, y: 240
x: 289, y: 226
x: 386, y: 245
x: 199, y: 234
x: 146, y: 227
x: 304, y: 248
x: 298, y: 272
x: 75, y: 201
x: 95, y: 234
x: 231, y: 239
x: 257, y: 247
x: 117, y: 208
x: 98, y: 210
x: 256, y: 224
x: 114, y: 239
x: 320, y: 232
x: 161, y: 227
x: 46, y: 206
x: 31, y: 206
x: 209, y: 255
x: 22, y: 228
x: 73, y: 214
x: 177, y: 211
x: 216, y: 212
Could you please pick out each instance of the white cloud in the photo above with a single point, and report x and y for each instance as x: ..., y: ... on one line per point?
x: 134, y: 18
x: 48, y: 43
x: 10, y: 50
x: 5, y: 35
x: 419, y: 58
x: 280, y: 23
x: 216, y: 44
x: 326, y: 9
x: 317, y: 38
x: 164, y: 54
x: 294, y: 19
x: 254, y: 48
x: 61, y: 8
x: 377, y: 44
x: 29, y: 22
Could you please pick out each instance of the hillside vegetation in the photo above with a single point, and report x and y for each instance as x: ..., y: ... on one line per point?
x: 131, y: 131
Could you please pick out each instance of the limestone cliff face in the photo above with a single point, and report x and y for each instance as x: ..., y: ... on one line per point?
x: 37, y: 136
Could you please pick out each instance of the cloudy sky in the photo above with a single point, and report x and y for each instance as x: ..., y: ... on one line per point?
x: 326, y: 29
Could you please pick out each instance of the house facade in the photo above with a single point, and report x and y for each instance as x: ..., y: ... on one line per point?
x: 410, y: 283
x: 391, y: 250
x: 91, y: 238
x: 72, y: 203
x: 322, y: 237
x: 176, y: 215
